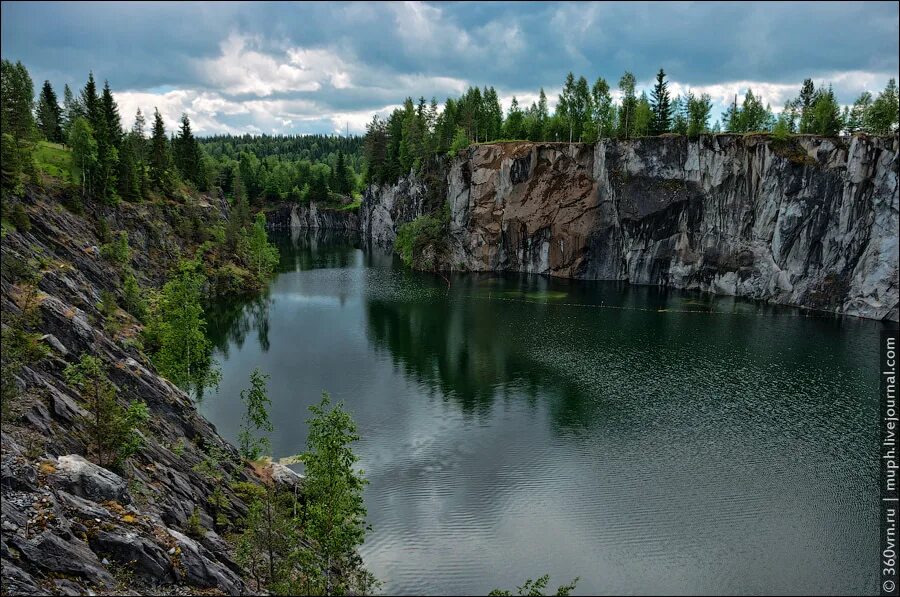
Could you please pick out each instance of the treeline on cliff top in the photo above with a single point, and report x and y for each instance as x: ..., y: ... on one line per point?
x: 110, y: 163
x: 411, y: 134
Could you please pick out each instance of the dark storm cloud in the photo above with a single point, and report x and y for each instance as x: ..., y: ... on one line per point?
x: 234, y: 65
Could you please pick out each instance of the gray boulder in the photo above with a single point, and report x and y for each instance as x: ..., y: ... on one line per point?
x: 85, y: 479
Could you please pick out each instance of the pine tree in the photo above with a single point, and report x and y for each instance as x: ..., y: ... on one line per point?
x: 881, y: 118
x: 16, y: 101
x: 805, y: 103
x: 159, y: 154
x: 826, y: 114
x: 49, y: 115
x: 71, y: 110
x: 187, y: 152
x: 90, y: 101
x: 342, y: 184
x: 660, y: 104
x: 109, y: 138
x: 604, y: 117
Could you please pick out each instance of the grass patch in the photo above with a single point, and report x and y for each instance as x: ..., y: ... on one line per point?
x: 351, y: 206
x: 54, y: 160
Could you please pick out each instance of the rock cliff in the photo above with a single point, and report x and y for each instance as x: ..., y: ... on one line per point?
x: 810, y: 222
x: 69, y: 526
x: 311, y: 216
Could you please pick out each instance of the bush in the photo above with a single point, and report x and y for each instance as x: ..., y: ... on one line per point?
x: 20, y: 218
x: 134, y: 299
x: 415, y: 238
x: 193, y: 527
x: 112, y: 430
x: 118, y: 250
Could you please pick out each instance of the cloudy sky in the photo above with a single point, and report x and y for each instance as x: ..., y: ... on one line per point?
x: 321, y: 67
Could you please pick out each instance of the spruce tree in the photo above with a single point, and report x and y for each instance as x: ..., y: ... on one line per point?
x: 805, y: 103
x: 159, y: 154
x: 661, y: 105
x: 187, y: 152
x: 90, y: 103
x: 71, y: 110
x: 48, y: 115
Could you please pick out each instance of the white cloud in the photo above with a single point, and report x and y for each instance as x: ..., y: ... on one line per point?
x: 242, y: 69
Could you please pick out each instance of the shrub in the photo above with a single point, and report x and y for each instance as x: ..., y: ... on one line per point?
x: 20, y: 218
x: 134, y: 299
x: 117, y: 251
x: 112, y: 430
x: 193, y: 527
x: 413, y: 238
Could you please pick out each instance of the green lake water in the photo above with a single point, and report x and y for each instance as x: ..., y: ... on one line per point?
x: 644, y: 440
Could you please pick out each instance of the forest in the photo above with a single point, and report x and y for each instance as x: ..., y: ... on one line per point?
x: 586, y: 113
x: 112, y: 164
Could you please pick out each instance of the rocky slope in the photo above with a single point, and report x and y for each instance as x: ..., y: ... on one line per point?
x: 312, y: 217
x: 69, y: 526
x: 810, y: 222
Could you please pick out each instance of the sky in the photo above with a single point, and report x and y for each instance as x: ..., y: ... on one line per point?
x: 329, y: 67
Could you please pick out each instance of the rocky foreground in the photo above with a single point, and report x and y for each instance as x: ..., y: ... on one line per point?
x: 807, y: 221
x: 69, y: 526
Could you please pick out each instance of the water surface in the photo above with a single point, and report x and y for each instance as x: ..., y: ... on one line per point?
x: 644, y: 440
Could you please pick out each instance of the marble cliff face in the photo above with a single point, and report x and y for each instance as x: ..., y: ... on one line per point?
x: 809, y: 221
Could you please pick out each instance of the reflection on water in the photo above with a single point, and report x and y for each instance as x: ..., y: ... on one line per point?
x: 642, y: 439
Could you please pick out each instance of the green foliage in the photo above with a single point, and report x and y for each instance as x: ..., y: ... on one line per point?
x: 84, y: 155
x: 414, y: 237
x: 881, y: 117
x: 49, y: 117
x: 335, y: 513
x: 698, y: 111
x: 185, y: 354
x: 247, y: 491
x: 751, y: 116
x: 211, y: 466
x: 219, y: 503
x: 112, y: 430
x: 256, y: 417
x: 16, y: 101
x: 11, y: 164
x: 117, y: 251
x: 269, y: 544
x: 460, y: 142
x: 54, y: 160
x: 20, y: 345
x: 660, y: 104
x: 134, y: 301
x: 255, y: 250
x: 192, y: 526
x: 20, y: 218
x: 535, y: 588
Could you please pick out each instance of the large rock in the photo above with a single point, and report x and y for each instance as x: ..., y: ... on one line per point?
x: 199, y: 568
x: 85, y: 479
x: 55, y: 554
x: 143, y: 556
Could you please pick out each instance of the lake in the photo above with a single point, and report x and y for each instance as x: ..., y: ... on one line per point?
x: 642, y: 439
